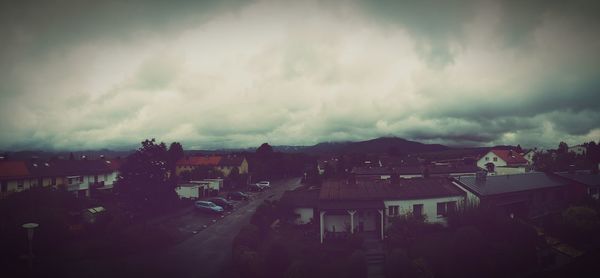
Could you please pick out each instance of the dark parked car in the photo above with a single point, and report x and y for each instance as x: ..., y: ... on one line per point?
x: 254, y: 187
x: 222, y: 202
x: 208, y: 207
x: 237, y: 195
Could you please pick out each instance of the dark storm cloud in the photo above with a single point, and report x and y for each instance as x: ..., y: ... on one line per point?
x: 92, y: 74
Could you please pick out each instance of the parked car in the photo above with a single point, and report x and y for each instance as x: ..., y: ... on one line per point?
x: 254, y: 187
x: 222, y: 202
x: 263, y: 185
x: 237, y: 195
x: 208, y: 207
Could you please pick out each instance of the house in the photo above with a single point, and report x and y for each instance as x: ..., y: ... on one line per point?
x: 14, y: 177
x: 578, y: 150
x: 191, y: 163
x: 589, y: 181
x: 502, y: 162
x: 229, y: 163
x: 302, y: 202
x: 344, y: 207
x: 224, y: 164
x: 78, y: 176
x: 527, y: 195
x: 529, y: 155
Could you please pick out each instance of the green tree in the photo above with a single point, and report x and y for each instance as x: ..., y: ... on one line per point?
x: 562, y: 148
x: 264, y: 150
x: 175, y: 154
x: 144, y: 179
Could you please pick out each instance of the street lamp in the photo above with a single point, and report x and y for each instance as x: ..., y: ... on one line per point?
x: 30, y: 227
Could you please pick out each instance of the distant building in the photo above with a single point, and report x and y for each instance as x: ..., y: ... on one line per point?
x: 503, y: 162
x: 578, y: 150
x: 224, y: 164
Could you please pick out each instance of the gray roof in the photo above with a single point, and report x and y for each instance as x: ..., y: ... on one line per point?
x: 300, y: 198
x: 493, y: 185
x: 583, y: 177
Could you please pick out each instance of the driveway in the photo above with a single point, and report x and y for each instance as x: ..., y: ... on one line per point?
x: 202, y: 255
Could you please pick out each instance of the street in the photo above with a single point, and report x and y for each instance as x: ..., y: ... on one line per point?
x: 201, y: 255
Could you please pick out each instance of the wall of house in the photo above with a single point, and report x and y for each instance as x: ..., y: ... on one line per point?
x: 305, y: 215
x: 429, y: 207
x: 471, y: 199
x: 490, y: 155
x: 244, y: 167
x: 509, y: 170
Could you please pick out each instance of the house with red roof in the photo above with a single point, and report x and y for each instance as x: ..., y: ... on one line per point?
x: 503, y: 162
x: 225, y: 164
x: 14, y: 177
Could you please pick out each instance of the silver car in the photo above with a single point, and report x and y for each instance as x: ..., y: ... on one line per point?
x: 208, y: 207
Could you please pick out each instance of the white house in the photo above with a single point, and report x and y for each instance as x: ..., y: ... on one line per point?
x: 369, y: 206
x: 578, y: 150
x: 503, y: 162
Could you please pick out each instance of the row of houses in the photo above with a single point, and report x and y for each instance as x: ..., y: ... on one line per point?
x: 342, y: 207
x: 225, y: 164
x: 77, y: 176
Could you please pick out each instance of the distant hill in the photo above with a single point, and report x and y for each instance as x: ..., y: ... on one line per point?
x: 378, y: 145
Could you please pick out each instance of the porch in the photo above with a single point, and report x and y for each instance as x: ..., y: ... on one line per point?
x: 340, y: 219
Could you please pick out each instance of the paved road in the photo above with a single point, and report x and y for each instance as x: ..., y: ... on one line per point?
x: 202, y: 255
x: 205, y: 254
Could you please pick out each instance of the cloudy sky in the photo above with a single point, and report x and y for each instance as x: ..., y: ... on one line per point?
x: 96, y: 74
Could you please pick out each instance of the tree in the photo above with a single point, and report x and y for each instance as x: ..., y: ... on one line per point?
x: 562, y: 148
x: 264, y: 150
x: 144, y: 177
x: 175, y: 154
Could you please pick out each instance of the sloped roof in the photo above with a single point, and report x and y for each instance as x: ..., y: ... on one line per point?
x: 13, y: 169
x: 493, y: 185
x: 55, y: 168
x: 199, y: 161
x: 583, y: 177
x: 300, y: 198
x: 511, y: 157
x: 231, y: 161
x: 406, y: 189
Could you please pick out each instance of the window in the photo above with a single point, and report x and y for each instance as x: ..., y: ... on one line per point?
x: 53, y: 181
x: 443, y: 209
x: 418, y: 209
x: 495, y: 159
x: 20, y: 184
x: 487, y: 158
x: 4, y: 187
x: 393, y: 210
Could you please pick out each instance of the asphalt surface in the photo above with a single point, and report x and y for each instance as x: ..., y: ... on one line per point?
x: 204, y: 254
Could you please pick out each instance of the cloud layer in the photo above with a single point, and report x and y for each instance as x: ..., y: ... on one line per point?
x: 227, y: 74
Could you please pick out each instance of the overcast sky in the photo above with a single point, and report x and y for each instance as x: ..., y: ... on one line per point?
x: 104, y: 74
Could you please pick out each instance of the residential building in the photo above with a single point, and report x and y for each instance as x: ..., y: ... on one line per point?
x: 527, y: 195
x: 578, y: 150
x: 503, y: 162
x: 441, y: 170
x: 589, y: 182
x: 14, y: 177
x: 225, y: 164
x: 369, y: 206
x: 229, y: 163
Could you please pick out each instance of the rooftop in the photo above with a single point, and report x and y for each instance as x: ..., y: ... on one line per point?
x: 583, y: 177
x: 405, y: 189
x: 511, y: 157
x: 493, y: 185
